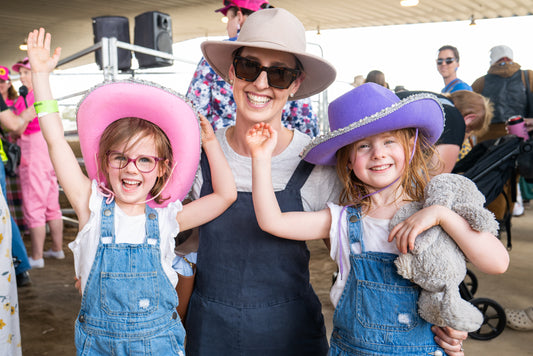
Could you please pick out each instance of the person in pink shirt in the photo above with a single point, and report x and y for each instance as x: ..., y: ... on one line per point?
x: 40, y: 190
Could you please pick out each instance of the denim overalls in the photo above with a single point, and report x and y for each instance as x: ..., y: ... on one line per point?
x: 129, y: 304
x: 252, y: 294
x: 377, y: 312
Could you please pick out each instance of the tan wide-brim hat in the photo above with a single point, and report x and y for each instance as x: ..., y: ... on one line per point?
x: 279, y: 30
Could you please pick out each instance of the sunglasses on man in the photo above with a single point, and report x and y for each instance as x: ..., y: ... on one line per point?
x: 448, y: 60
x: 278, y: 77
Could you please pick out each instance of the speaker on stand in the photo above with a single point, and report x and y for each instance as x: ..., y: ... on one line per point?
x: 113, y: 26
x: 153, y: 30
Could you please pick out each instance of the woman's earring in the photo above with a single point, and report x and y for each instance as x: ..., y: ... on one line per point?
x: 291, y: 95
x: 231, y: 81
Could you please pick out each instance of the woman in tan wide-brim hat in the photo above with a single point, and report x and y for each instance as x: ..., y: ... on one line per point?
x: 252, y: 292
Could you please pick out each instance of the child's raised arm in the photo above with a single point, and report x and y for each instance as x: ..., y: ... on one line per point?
x: 483, y: 249
x: 207, y: 208
x: 261, y: 140
x: 76, y: 185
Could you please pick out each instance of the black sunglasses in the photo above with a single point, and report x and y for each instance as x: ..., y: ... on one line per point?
x: 448, y: 60
x: 278, y: 77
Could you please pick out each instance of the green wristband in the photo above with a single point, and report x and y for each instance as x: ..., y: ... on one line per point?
x: 46, y: 107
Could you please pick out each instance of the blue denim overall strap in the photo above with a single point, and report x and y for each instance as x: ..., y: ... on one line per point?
x: 377, y: 312
x: 252, y: 294
x: 129, y: 304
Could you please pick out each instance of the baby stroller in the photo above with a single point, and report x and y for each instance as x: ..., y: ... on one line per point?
x: 490, y: 165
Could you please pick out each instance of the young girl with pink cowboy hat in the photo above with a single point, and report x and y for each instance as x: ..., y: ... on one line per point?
x: 380, y: 146
x: 141, y: 146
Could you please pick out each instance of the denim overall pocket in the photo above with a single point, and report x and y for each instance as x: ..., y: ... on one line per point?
x: 129, y: 293
x: 387, y: 307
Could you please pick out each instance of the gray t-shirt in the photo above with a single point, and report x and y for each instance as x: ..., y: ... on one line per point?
x: 321, y: 187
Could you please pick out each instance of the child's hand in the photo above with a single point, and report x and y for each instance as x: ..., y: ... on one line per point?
x: 207, y: 130
x: 261, y: 139
x: 406, y: 232
x: 78, y: 284
x: 39, y: 52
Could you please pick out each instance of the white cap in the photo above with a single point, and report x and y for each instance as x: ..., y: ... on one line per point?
x: 498, y: 52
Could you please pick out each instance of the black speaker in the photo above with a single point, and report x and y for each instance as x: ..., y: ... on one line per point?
x: 153, y: 30
x: 113, y: 26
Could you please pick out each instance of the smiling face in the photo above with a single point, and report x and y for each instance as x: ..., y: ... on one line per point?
x: 378, y: 160
x: 447, y: 70
x: 131, y: 186
x: 257, y: 101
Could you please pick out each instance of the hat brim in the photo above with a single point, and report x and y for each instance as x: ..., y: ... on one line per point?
x: 108, y: 102
x: 420, y: 111
x: 319, y: 73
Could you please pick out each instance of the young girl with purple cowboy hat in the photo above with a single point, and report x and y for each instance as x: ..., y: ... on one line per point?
x: 141, y: 147
x: 380, y: 146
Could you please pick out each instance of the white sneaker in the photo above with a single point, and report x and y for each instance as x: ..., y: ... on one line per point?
x: 58, y: 255
x: 36, y: 263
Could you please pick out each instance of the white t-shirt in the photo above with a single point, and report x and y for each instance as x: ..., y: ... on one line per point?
x: 321, y: 186
x: 375, y: 237
x: 128, y: 229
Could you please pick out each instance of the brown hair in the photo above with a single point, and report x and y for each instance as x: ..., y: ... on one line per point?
x: 12, y: 93
x: 376, y: 76
x: 453, y: 49
x: 469, y: 102
x: 124, y: 131
x: 413, y: 180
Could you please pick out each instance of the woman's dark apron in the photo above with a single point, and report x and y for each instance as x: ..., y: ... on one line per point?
x: 252, y: 294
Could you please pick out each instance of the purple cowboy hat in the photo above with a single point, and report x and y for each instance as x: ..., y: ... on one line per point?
x: 371, y: 109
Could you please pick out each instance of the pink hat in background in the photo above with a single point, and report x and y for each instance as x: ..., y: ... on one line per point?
x: 253, y: 5
x: 23, y: 63
x: 4, y: 73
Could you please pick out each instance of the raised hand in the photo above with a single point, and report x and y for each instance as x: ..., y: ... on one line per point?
x: 39, y: 52
x: 207, y: 132
x: 261, y: 140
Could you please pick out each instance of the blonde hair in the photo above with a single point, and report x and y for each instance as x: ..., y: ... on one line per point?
x: 123, y: 131
x: 469, y: 102
x: 413, y: 179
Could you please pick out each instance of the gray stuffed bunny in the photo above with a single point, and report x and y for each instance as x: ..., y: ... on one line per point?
x: 436, y: 263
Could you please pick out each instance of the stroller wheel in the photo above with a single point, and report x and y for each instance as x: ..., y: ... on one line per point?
x: 494, y: 319
x: 470, y: 282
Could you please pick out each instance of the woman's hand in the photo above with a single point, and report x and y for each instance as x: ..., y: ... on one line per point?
x: 261, y: 140
x: 450, y: 340
x: 39, y: 52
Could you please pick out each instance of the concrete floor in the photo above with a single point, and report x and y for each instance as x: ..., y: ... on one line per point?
x: 513, y: 289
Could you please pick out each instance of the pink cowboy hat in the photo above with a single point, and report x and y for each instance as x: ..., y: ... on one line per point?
x: 252, y: 5
x: 371, y: 109
x: 108, y: 102
x: 23, y: 63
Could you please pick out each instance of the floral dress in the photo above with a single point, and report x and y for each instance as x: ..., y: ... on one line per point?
x: 9, y: 308
x: 212, y: 96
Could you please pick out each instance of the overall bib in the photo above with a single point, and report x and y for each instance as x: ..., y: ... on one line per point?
x: 377, y: 312
x: 129, y: 304
x: 252, y: 294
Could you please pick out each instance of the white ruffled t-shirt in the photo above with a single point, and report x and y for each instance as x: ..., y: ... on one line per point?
x: 375, y: 237
x: 128, y: 229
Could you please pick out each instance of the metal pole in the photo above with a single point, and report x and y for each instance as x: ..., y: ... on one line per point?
x: 113, y: 57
